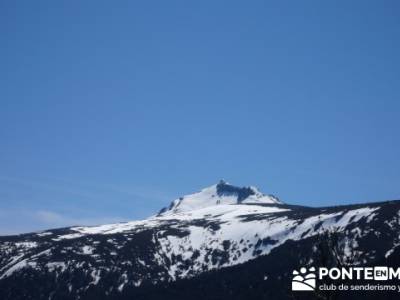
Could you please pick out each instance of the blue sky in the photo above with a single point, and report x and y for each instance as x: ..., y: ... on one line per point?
x: 111, y: 110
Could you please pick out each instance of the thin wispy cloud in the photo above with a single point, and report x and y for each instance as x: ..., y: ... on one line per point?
x: 14, y: 221
x: 48, y: 186
x: 87, y: 190
x: 52, y: 218
x: 35, y: 204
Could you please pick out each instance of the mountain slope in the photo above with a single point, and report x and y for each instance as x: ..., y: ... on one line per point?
x: 220, y: 228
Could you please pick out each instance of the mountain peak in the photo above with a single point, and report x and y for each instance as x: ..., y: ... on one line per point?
x: 220, y: 193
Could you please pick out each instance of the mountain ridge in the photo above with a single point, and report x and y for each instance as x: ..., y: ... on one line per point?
x: 180, y: 247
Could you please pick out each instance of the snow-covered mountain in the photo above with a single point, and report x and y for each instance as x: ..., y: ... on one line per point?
x: 210, y: 238
x: 221, y: 193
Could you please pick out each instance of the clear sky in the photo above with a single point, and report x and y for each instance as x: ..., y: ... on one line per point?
x: 111, y: 109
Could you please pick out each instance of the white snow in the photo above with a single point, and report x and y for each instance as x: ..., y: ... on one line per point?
x: 390, y: 251
x: 356, y: 215
x: 57, y: 265
x: 26, y: 245
x: 229, y: 211
x: 233, y: 229
x: 206, y: 197
x: 45, y: 252
x: 68, y: 236
x: 12, y: 261
x: 87, y: 250
x: 96, y: 277
x: 209, y: 197
x: 44, y: 234
x: 124, y: 279
x: 19, y: 265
